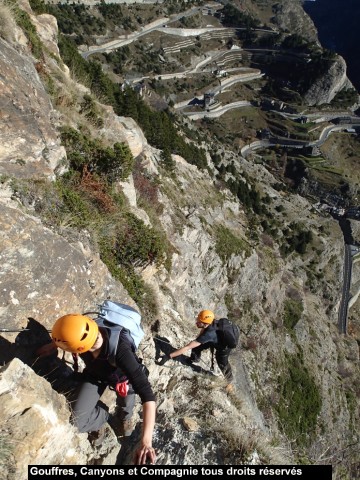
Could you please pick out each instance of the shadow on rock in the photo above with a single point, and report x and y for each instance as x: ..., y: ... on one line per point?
x: 25, y: 344
x: 164, y: 347
x: 128, y: 447
x: 62, y: 377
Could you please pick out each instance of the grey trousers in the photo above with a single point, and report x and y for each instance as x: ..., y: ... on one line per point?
x: 89, y: 415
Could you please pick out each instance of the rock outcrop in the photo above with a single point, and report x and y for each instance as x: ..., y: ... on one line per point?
x: 36, y: 429
x: 328, y: 85
x: 290, y: 16
x: 29, y: 143
x: 44, y: 277
x: 46, y: 273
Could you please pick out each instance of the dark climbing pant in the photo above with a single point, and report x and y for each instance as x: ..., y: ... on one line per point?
x: 221, y: 356
x: 88, y: 413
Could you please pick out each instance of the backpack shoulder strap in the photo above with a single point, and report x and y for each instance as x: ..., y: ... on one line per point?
x: 75, y: 357
x: 212, y: 350
x: 114, y: 337
x: 113, y: 333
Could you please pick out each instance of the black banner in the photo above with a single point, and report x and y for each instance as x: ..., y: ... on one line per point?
x: 174, y: 472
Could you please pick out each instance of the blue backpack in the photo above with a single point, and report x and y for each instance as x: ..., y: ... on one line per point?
x: 117, y: 317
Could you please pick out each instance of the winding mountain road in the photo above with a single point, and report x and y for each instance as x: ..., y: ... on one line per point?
x: 344, y: 304
x: 286, y: 142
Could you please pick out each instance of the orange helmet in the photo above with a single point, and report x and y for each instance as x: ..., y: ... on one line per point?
x: 206, y: 316
x: 75, y: 333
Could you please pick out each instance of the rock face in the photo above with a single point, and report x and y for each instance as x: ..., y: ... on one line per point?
x: 34, y: 415
x: 124, y: 129
x: 45, y: 274
x: 290, y: 16
x: 44, y: 277
x: 29, y: 144
x: 331, y: 83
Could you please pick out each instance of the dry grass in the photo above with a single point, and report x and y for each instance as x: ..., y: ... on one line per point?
x: 7, y: 446
x: 97, y: 190
x: 251, y: 445
x: 230, y: 419
x: 342, y: 151
x: 7, y: 22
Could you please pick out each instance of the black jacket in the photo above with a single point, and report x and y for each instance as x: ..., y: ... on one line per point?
x: 127, y: 364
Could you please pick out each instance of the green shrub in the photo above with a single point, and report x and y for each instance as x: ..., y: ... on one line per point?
x: 72, y: 58
x: 89, y: 109
x: 135, y: 244
x: 166, y: 160
x: 247, y: 194
x: 134, y: 284
x: 292, y: 313
x: 22, y: 18
x: 77, y: 206
x: 296, y: 238
x: 113, y: 163
x: 235, y: 18
x: 74, y: 20
x: 299, y: 401
x: 38, y: 6
x: 345, y: 98
x: 228, y: 244
x: 124, y: 242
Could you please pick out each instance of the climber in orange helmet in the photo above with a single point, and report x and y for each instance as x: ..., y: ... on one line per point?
x: 208, y: 337
x: 81, y: 335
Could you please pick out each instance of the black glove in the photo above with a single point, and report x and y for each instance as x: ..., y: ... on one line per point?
x: 163, y: 359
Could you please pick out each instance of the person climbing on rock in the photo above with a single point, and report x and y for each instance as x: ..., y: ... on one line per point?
x: 81, y: 335
x: 219, y: 335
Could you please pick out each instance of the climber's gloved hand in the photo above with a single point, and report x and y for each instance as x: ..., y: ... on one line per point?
x: 163, y: 359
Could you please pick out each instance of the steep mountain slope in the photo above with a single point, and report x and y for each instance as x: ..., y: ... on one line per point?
x: 242, y: 244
